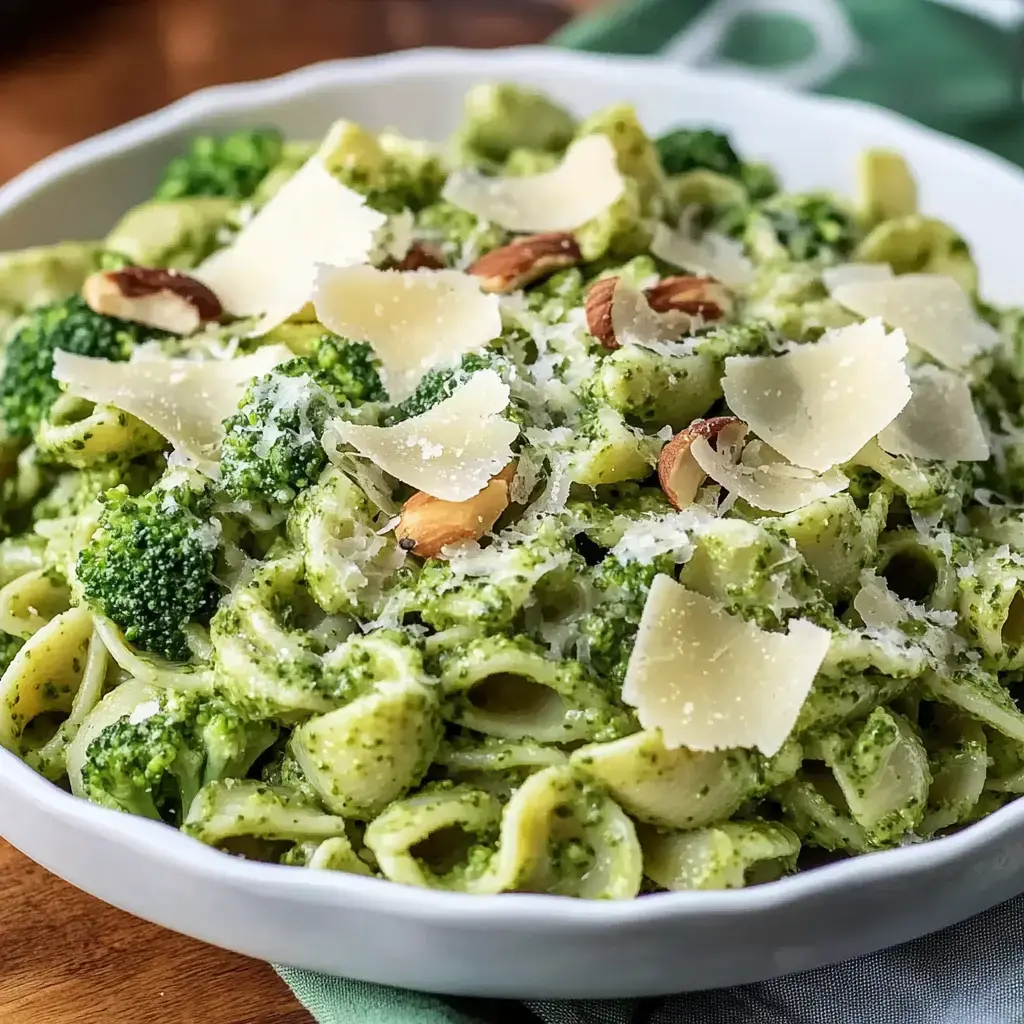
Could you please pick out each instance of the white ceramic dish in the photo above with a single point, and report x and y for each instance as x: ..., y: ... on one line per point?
x: 519, y: 945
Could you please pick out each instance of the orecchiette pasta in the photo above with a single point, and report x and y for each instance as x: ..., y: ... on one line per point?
x: 587, y: 577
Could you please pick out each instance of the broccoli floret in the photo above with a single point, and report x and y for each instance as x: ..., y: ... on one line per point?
x: 149, y: 567
x: 437, y: 385
x: 349, y: 369
x: 607, y: 633
x: 154, y: 761
x: 812, y: 226
x: 230, y: 165
x: 27, y: 387
x: 691, y: 149
x: 272, y: 450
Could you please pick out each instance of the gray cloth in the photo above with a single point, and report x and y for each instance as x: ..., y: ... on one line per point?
x: 971, y: 973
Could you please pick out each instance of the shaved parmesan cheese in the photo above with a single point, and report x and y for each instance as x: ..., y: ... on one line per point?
x: 876, y: 604
x: 183, y: 399
x: 634, y: 322
x: 764, y: 479
x: 414, y: 320
x: 939, y: 422
x: 712, y: 254
x: 855, y: 273
x: 451, y: 451
x: 934, y: 312
x: 584, y: 185
x: 818, y: 405
x: 268, y: 270
x: 713, y: 681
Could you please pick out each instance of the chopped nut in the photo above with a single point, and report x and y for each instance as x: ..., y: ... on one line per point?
x: 525, y: 260
x: 422, y: 256
x: 165, y: 299
x: 599, y: 311
x: 678, y: 473
x: 697, y: 296
x: 428, y: 524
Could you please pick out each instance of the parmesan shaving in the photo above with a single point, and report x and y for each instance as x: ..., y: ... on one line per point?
x: 712, y: 255
x: 764, y: 479
x: 583, y: 186
x: 184, y: 399
x: 268, y: 270
x: 855, y: 273
x: 818, y: 405
x: 934, y: 312
x: 634, y: 322
x: 451, y: 451
x: 877, y: 605
x: 713, y: 681
x: 939, y: 422
x: 414, y: 320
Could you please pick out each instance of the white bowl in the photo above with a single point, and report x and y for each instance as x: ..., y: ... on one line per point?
x: 519, y: 945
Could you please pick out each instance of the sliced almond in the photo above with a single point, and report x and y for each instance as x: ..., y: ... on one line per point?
x: 678, y: 473
x: 156, y: 297
x: 422, y: 256
x: 428, y: 524
x: 526, y: 260
x: 599, y: 311
x: 696, y: 296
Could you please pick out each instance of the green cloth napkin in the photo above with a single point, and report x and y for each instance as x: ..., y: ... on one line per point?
x: 956, y: 65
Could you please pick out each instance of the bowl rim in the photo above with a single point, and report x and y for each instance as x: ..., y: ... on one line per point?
x: 170, y: 848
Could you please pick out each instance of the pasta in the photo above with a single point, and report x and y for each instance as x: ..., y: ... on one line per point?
x: 410, y: 604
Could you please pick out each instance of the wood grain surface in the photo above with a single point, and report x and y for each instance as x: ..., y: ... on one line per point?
x: 66, y: 958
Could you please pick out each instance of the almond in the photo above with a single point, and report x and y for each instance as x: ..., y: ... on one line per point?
x: 422, y: 256
x: 525, y: 260
x: 678, y: 473
x: 599, y: 311
x: 165, y: 299
x: 428, y: 524
x: 696, y: 296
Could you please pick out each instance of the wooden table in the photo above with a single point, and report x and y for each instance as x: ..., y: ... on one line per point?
x: 66, y: 957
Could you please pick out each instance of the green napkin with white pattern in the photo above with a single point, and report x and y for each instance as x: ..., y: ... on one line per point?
x: 955, y: 65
